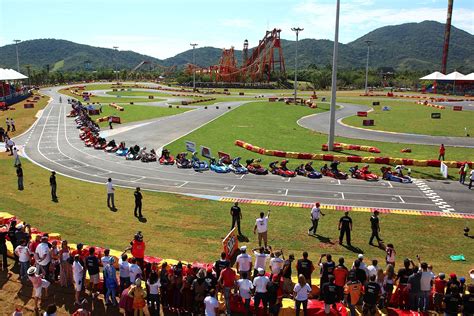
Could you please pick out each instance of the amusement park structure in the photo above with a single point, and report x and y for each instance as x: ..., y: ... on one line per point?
x: 258, y: 66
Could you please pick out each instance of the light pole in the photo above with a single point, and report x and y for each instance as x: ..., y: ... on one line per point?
x: 116, y: 68
x: 194, y: 66
x: 17, y: 58
x: 332, y: 121
x: 297, y: 30
x: 367, y: 67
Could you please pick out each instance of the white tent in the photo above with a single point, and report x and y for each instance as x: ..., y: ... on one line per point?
x: 434, y: 76
x: 10, y: 74
x: 469, y: 77
x: 454, y: 76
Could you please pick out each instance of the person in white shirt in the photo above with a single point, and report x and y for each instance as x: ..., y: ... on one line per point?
x: 44, y: 257
x: 135, y: 271
x: 16, y: 157
x: 105, y: 258
x: 315, y: 215
x: 261, y: 294
x: 301, y: 292
x: 243, y: 261
x: 12, y: 123
x: 471, y: 179
x: 276, y: 263
x: 261, y: 226
x: 245, y: 286
x: 23, y: 253
x: 426, y: 283
x: 124, y: 272
x: 211, y: 304
x: 153, y: 298
x: 372, y: 269
x: 110, y: 195
x: 260, y: 259
x: 77, y: 275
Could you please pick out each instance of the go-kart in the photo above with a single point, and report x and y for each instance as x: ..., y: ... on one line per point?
x: 333, y: 173
x: 254, y: 167
x: 281, y: 170
x: 218, y: 166
x: 122, y: 150
x: 236, y: 167
x: 90, y: 142
x: 363, y: 173
x: 133, y: 153
x: 101, y: 143
x: 388, y: 174
x: 148, y: 157
x: 183, y: 162
x: 301, y: 171
x: 111, y: 146
x: 166, y: 158
x: 197, y: 164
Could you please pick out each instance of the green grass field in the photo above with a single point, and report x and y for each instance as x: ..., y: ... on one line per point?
x: 273, y: 125
x: 408, y: 117
x: 134, y: 113
x: 191, y: 229
x: 110, y: 99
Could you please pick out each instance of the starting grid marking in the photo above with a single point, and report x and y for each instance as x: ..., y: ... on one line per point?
x: 347, y: 208
x: 433, y: 196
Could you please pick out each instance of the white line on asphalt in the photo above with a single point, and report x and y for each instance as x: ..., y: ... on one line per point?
x: 232, y: 189
x: 389, y: 184
x: 338, y: 182
x: 286, y: 192
x: 182, y: 185
x: 342, y: 195
x: 403, y: 201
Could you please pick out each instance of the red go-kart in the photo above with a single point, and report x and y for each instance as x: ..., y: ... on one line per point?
x: 363, y: 173
x: 281, y: 170
x: 166, y: 158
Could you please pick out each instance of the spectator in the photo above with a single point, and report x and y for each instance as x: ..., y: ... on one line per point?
x: 301, y: 293
x: 389, y: 283
x: 471, y: 179
x: 401, y: 298
x: 414, y: 283
x: 391, y: 253
x: 3, y: 247
x: 426, y: 283
x: 372, y: 269
x: 200, y: 288
x: 212, y: 305
x: 261, y: 226
x: 468, y: 302
x: 245, y: 286
x: 315, y: 215
x: 135, y: 271
x: 371, y: 297
x: 260, y: 260
x: 106, y: 257
x: 236, y: 214
x: 260, y: 283
x: 327, y: 268
x: 124, y: 272
x: 380, y: 279
x: 330, y: 294
x: 442, y: 151
x: 305, y: 267
x: 23, y: 254
x: 221, y: 264
x: 361, y: 275
x: 39, y: 283
x: 153, y: 297
x: 439, y: 288
x: 452, y: 301
x: 54, y: 268
x: 287, y: 272
x: 243, y: 262
x: 110, y: 195
x: 110, y: 282
x: 19, y: 174
x: 276, y: 263
x: 137, y: 248
x: 453, y: 280
x: 353, y: 291
x: 43, y: 257
x: 138, y: 294
x: 52, y: 183
x: 65, y: 267
x: 92, y: 265
x: 227, y: 282
x: 340, y: 277
x: 51, y: 310
x: 78, y: 276
x: 462, y: 173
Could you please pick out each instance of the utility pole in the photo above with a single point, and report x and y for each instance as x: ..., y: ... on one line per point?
x: 194, y: 66
x: 332, y: 121
x: 17, y: 58
x: 28, y: 71
x: 367, y: 67
x: 297, y: 30
x: 116, y: 66
x: 447, y: 34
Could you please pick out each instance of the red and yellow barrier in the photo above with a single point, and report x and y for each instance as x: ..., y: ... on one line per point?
x: 431, y: 105
x: 343, y: 146
x: 115, y: 106
x: 344, y: 158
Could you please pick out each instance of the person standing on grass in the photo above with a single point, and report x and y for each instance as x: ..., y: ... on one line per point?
x: 301, y: 292
x: 375, y: 227
x: 9, y: 143
x: 110, y: 195
x: 23, y: 254
x: 236, y: 214
x: 16, y: 157
x: 463, y: 172
x: 52, y: 184
x: 442, y: 151
x: 305, y: 267
x: 7, y: 122
x: 315, y: 215
x: 138, y: 203
x: 261, y: 226
x: 471, y: 179
x: 12, y: 123
x: 110, y: 122
x: 345, y: 228
x: 43, y: 256
x: 243, y: 262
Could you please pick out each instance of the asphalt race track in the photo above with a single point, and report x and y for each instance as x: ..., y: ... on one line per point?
x: 53, y: 143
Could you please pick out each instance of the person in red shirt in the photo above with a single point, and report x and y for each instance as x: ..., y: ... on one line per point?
x: 439, y: 288
x: 442, y: 151
x: 137, y: 248
x: 340, y: 278
x: 227, y: 282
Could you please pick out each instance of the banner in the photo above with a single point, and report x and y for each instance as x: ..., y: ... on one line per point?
x: 444, y: 170
x: 206, y: 152
x: 231, y: 244
x: 190, y: 146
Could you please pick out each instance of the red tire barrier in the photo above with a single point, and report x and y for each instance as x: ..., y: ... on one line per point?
x: 362, y: 114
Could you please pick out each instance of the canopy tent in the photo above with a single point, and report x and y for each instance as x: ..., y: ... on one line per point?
x: 10, y: 74
x: 469, y: 77
x: 454, y: 76
x: 434, y: 76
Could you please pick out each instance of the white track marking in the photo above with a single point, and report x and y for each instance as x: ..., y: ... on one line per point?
x: 433, y: 196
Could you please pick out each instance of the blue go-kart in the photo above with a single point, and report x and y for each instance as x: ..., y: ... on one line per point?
x: 236, y: 167
x: 198, y: 165
x: 218, y: 166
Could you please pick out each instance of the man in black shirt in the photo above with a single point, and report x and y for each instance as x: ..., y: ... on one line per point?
x: 345, y: 227
x: 371, y: 297
x: 19, y: 174
x: 468, y: 301
x: 305, y: 267
x: 414, y: 288
x: 402, y: 277
x: 375, y: 226
x: 52, y: 183
x: 287, y: 271
x: 3, y: 247
x: 236, y: 214
x: 221, y: 264
x: 360, y: 273
x: 92, y: 265
x: 138, y: 203
x: 327, y: 268
x: 330, y: 294
x: 452, y: 301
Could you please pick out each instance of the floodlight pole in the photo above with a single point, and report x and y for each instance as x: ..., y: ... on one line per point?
x: 332, y: 121
x: 17, y: 58
x: 297, y: 30
x: 367, y: 67
x: 194, y: 67
x: 116, y: 66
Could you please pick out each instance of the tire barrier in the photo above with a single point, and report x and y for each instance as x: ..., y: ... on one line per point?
x: 196, y: 101
x: 343, y: 146
x: 424, y: 97
x: 357, y: 159
x: 116, y: 106
x: 431, y: 105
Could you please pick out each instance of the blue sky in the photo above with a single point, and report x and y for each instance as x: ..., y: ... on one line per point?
x: 164, y: 28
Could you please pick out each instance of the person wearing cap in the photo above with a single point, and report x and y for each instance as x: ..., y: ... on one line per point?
x: 23, y: 254
x: 78, y: 277
x: 453, y: 280
x: 345, y: 228
x: 39, y: 283
x: 288, y: 284
x: 315, y: 215
x: 43, y: 256
x: 301, y: 292
x: 244, y: 285
x: 260, y: 259
x: 375, y: 227
x: 243, y: 262
x: 236, y: 214
x: 261, y: 226
x: 139, y: 295
x: 226, y: 282
x: 276, y: 263
x: 53, y: 185
x: 439, y: 289
x: 110, y: 282
x: 260, y: 282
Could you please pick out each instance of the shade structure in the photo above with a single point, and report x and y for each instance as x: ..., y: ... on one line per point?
x: 10, y: 74
x: 454, y: 76
x: 469, y: 77
x: 434, y: 76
